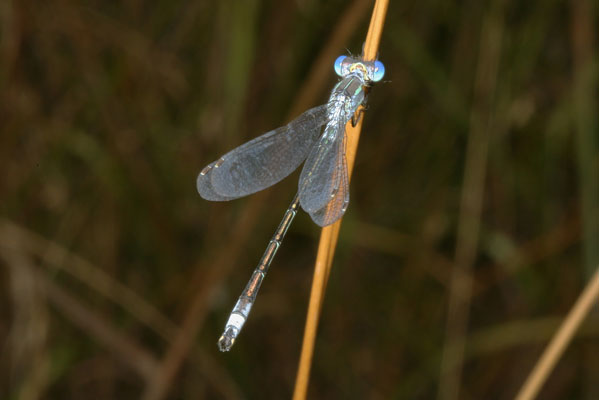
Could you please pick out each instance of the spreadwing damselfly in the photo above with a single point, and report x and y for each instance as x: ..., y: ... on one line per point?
x: 323, y: 188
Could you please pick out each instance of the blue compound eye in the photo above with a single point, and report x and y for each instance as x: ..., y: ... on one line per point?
x: 338, y: 63
x: 379, y: 71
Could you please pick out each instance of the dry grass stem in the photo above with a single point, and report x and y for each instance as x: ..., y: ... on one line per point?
x: 330, y: 234
x: 553, y: 352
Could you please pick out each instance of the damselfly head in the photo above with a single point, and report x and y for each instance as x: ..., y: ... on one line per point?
x: 371, y: 71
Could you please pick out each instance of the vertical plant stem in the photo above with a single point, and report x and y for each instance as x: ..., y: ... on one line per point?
x: 481, y: 127
x: 538, y: 376
x: 585, y: 124
x: 330, y: 234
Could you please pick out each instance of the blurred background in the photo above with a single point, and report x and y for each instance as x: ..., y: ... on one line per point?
x: 473, y: 217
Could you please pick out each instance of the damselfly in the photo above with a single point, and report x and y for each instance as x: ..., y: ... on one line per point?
x: 323, y: 189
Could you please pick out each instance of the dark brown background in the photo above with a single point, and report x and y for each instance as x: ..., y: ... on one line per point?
x: 111, y: 262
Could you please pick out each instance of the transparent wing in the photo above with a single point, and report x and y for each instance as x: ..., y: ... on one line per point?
x: 263, y: 161
x: 318, y: 180
x: 337, y: 205
x: 204, y: 185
